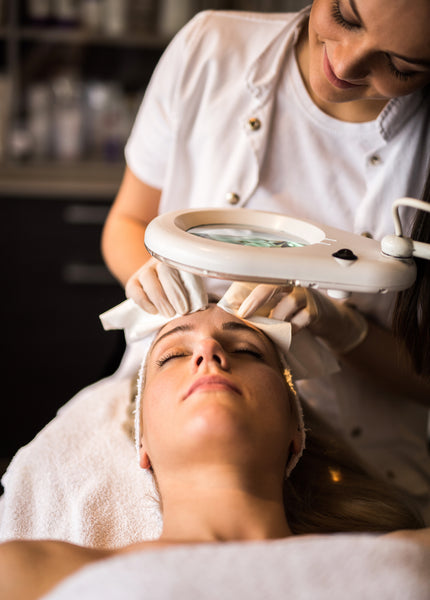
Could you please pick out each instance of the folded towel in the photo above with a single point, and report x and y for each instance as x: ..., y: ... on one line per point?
x: 326, y: 567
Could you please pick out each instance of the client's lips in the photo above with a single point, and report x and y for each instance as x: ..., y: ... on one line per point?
x: 212, y: 382
x: 333, y: 79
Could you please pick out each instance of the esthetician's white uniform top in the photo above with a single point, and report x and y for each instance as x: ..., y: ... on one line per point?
x: 227, y: 121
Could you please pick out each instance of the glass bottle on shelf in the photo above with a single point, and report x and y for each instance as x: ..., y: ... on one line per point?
x: 91, y: 14
x: 115, y: 14
x: 67, y: 117
x: 39, y: 111
x: 106, y: 120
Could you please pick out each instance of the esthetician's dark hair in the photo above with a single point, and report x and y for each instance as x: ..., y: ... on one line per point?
x: 411, y: 319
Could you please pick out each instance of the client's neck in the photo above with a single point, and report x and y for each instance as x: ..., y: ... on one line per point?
x: 222, y: 506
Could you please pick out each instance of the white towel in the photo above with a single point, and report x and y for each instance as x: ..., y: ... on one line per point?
x: 79, y: 480
x: 327, y: 567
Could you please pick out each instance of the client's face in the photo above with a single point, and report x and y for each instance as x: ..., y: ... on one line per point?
x: 215, y: 389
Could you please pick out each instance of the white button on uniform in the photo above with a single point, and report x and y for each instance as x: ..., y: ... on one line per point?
x: 232, y: 198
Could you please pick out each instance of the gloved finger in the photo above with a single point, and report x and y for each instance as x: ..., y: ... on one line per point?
x: 174, y: 288
x: 264, y: 295
x: 153, y: 289
x: 236, y: 294
x: 289, y: 304
x: 133, y: 290
x: 303, y: 318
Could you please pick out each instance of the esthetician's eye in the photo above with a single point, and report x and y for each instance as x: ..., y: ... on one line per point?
x: 402, y: 75
x: 337, y: 15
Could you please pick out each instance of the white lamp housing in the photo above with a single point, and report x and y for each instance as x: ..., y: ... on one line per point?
x: 240, y: 244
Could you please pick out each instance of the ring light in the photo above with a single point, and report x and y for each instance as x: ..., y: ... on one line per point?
x: 250, y: 245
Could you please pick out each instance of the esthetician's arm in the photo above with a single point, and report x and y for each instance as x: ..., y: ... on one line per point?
x: 123, y: 245
x: 153, y: 285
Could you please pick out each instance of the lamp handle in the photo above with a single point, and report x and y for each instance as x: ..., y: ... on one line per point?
x: 403, y: 247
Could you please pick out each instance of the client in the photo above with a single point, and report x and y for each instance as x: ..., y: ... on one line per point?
x: 220, y: 427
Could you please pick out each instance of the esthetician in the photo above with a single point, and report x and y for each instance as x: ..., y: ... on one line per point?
x: 322, y: 114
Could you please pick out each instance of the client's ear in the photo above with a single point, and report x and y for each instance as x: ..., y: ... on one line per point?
x: 296, y: 442
x: 144, y: 460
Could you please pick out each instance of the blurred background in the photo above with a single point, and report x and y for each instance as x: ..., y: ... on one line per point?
x: 72, y: 75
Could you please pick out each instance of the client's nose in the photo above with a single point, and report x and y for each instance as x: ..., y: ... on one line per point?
x: 210, y: 352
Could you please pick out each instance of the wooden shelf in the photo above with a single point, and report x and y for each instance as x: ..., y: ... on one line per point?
x: 95, y: 180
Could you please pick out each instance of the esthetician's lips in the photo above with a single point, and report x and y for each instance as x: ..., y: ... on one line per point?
x: 341, y: 84
x: 211, y: 382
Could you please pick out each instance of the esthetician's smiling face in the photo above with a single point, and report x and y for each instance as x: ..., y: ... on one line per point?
x: 368, y: 49
x: 214, y: 383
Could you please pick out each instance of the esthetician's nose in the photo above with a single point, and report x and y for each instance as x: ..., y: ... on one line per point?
x: 351, y: 61
x: 209, y: 353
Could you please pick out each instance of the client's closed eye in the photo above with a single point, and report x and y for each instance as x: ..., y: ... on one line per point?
x: 166, y: 357
x: 250, y: 351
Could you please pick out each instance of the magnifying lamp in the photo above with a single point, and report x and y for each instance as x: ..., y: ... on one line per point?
x: 241, y: 244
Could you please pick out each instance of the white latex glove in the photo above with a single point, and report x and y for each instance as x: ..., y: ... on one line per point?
x: 158, y: 288
x: 241, y: 297
x: 337, y: 323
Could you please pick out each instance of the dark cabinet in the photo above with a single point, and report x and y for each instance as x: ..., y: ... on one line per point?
x: 54, y: 287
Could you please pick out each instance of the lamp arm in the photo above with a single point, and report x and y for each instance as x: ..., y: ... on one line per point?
x: 398, y: 245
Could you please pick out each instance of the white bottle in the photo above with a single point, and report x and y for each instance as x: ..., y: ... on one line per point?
x: 68, y: 118
x: 39, y: 119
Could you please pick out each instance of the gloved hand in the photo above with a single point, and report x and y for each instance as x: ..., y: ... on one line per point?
x: 156, y: 287
x: 340, y: 325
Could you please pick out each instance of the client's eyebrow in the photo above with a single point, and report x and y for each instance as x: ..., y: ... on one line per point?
x: 227, y: 326
x: 177, y: 329
x: 240, y: 325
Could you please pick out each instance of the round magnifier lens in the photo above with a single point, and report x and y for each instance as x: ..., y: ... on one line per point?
x: 243, y: 235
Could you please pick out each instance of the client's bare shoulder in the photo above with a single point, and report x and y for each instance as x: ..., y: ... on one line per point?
x: 152, y: 545
x: 29, y: 569
x: 418, y: 536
